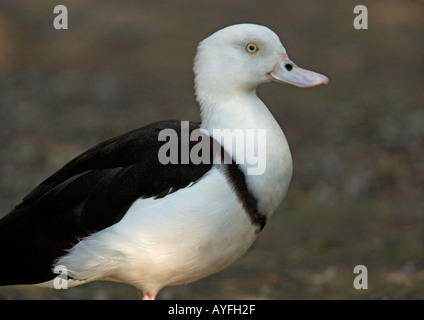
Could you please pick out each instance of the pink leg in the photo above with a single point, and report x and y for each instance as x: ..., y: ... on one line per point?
x: 143, y: 296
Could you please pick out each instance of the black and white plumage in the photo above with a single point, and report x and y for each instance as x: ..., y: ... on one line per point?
x: 116, y: 213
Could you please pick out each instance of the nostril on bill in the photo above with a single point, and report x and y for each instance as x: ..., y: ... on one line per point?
x: 288, y: 67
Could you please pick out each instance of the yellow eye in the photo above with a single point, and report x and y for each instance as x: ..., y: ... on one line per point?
x: 252, y: 47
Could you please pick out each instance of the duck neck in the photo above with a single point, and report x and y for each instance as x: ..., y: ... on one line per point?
x: 246, y: 129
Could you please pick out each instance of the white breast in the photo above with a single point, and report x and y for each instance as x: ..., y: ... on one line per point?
x: 177, y: 239
x: 270, y: 186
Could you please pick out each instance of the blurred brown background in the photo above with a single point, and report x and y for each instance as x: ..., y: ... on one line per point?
x: 357, y: 194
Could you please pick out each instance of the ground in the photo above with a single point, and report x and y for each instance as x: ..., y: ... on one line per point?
x: 356, y: 197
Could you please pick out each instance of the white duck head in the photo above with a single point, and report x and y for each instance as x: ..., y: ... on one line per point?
x: 240, y: 57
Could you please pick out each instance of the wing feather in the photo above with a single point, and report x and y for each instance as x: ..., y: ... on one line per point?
x: 90, y: 193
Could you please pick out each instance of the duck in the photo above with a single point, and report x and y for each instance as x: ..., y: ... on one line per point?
x: 171, y: 202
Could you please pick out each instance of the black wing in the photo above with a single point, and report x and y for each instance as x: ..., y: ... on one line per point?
x: 90, y: 193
